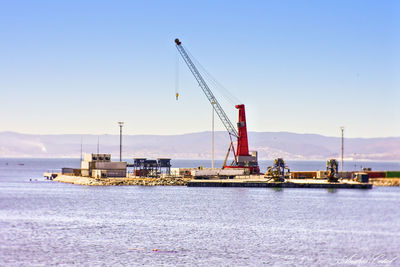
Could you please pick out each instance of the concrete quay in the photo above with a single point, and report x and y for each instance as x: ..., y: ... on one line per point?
x: 291, y: 183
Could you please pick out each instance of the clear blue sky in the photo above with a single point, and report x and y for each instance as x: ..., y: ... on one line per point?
x: 299, y: 66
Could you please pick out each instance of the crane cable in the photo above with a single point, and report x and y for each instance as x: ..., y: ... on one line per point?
x: 226, y: 94
x: 177, y: 75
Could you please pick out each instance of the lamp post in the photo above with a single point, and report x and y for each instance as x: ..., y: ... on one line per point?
x: 81, y: 147
x: 212, y: 140
x: 342, y: 129
x: 120, y: 123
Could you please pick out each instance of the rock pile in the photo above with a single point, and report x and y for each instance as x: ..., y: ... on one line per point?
x: 385, y: 181
x: 140, y: 181
x: 165, y: 181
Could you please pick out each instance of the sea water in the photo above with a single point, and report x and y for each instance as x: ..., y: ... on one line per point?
x: 48, y: 223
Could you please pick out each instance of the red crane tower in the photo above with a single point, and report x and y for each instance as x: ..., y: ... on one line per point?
x: 242, y: 158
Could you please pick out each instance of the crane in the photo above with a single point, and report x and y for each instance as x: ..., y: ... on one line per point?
x: 242, y: 158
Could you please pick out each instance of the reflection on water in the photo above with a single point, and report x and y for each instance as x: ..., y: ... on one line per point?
x: 277, y: 189
x: 331, y: 190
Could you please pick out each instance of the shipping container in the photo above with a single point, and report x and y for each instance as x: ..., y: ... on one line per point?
x: 67, y: 171
x: 77, y: 172
x: 376, y: 174
x: 141, y: 173
x: 116, y: 173
x: 186, y: 172
x: 346, y: 175
x: 304, y: 175
x: 393, y: 174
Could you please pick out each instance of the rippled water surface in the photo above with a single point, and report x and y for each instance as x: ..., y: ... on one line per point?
x: 50, y: 223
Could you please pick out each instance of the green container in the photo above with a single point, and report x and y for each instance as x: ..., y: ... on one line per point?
x: 393, y: 174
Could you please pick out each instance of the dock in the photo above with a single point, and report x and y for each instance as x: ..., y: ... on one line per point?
x: 291, y: 183
x: 252, y: 181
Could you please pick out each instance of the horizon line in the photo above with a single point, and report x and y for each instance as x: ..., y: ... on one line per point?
x: 188, y: 133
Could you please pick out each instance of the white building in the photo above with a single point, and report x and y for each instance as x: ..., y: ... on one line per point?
x: 93, y: 164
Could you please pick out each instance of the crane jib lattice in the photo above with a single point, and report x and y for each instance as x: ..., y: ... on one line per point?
x: 213, y: 101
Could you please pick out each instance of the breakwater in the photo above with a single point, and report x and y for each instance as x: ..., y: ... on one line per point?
x: 254, y: 181
x: 385, y: 181
x: 139, y: 181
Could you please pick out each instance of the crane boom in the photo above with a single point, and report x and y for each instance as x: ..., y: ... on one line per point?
x: 217, y: 107
x: 242, y: 158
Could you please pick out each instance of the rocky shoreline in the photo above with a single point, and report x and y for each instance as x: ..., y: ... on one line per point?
x: 139, y: 181
x: 169, y: 181
x: 385, y: 181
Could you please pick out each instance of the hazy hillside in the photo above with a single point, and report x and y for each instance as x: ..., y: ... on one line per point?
x: 198, y: 145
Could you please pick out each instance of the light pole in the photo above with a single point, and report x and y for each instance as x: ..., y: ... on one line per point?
x: 81, y: 147
x: 342, y: 129
x: 212, y: 140
x: 120, y: 123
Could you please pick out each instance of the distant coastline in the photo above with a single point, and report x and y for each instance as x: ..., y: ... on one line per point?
x: 197, y: 146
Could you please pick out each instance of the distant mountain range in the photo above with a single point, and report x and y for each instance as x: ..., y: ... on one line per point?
x: 269, y: 145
